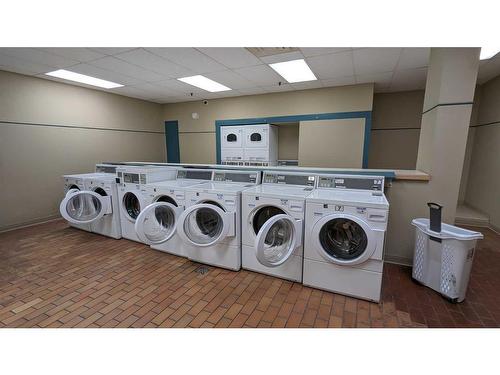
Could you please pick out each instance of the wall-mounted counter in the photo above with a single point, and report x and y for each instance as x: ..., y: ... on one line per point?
x: 397, y: 174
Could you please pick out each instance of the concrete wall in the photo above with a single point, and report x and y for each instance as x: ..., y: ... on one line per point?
x: 48, y: 129
x: 288, y: 141
x: 483, y: 183
x: 395, y: 132
x: 197, y: 136
x: 332, y: 143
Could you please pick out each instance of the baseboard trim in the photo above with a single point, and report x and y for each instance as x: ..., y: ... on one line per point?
x: 401, y: 261
x: 30, y: 223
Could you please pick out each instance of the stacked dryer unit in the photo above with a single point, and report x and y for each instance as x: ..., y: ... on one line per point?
x: 346, y: 221
x: 156, y: 223
x: 91, y: 201
x: 251, y: 145
x: 132, y: 193
x: 210, y: 227
x: 273, y: 216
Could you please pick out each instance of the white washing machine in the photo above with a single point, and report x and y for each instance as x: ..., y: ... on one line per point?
x: 210, y: 227
x: 84, y: 210
x: 132, y: 193
x: 155, y: 225
x: 273, y: 223
x: 346, y: 221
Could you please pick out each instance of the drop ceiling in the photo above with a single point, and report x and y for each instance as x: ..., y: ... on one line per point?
x: 151, y: 73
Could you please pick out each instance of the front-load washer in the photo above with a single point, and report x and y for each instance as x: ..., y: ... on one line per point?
x: 346, y: 221
x: 83, y: 210
x: 132, y: 193
x: 273, y: 216
x: 109, y: 224
x: 210, y: 226
x: 155, y: 225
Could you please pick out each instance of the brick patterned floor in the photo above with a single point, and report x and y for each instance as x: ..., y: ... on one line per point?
x: 55, y: 276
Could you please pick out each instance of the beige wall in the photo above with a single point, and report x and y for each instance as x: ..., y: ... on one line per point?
x: 288, y: 141
x: 395, y: 132
x: 197, y: 137
x: 483, y: 183
x: 332, y: 143
x: 48, y: 129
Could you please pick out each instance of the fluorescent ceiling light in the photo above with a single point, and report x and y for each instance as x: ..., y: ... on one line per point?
x: 488, y: 52
x: 204, y: 83
x: 294, y: 71
x: 82, y: 78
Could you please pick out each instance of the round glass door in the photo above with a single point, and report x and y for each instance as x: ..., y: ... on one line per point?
x: 277, y: 239
x: 156, y: 223
x: 80, y: 207
x: 131, y: 205
x: 263, y: 215
x: 343, y: 239
x: 203, y: 224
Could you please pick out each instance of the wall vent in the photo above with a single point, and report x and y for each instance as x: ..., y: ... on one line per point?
x: 270, y: 51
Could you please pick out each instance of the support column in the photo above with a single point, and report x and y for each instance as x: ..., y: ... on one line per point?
x: 449, y: 93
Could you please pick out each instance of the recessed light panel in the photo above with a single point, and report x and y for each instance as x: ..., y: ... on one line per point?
x: 82, y: 78
x: 294, y: 71
x: 204, y: 83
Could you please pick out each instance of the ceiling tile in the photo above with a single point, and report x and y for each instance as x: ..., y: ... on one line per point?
x: 307, y: 85
x: 276, y: 88
x: 316, y: 51
x: 339, y: 81
x: 413, y: 58
x: 177, y: 87
x: 252, y: 90
x: 111, y: 50
x: 123, y: 67
x: 79, y: 54
x: 14, y: 64
x: 332, y: 66
x: 230, y: 79
x: 152, y: 62
x: 381, y: 78
x: 109, y: 75
x: 411, y: 79
x: 189, y: 58
x: 281, y: 57
x: 489, y: 69
x: 375, y: 60
x: 231, y: 57
x: 38, y: 56
x: 262, y: 75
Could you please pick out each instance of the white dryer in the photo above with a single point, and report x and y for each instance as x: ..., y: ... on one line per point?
x: 346, y: 221
x: 156, y: 223
x: 210, y: 227
x: 132, y: 193
x: 273, y: 222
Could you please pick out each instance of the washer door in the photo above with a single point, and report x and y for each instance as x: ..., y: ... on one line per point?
x: 156, y: 223
x: 131, y: 206
x: 277, y: 239
x: 344, y: 239
x: 205, y: 224
x: 83, y: 206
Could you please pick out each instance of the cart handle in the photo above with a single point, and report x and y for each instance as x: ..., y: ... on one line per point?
x: 434, y: 205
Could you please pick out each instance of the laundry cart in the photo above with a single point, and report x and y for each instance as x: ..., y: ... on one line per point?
x: 443, y: 255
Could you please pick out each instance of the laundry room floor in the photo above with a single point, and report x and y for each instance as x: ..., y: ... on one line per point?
x: 52, y: 275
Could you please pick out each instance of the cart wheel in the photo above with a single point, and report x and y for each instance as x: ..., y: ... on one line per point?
x: 451, y: 300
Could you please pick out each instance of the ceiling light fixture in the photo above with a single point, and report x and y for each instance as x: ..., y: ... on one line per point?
x: 82, y: 78
x: 488, y: 52
x: 294, y: 71
x: 204, y: 83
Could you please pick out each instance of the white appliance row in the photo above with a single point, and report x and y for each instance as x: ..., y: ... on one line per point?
x: 326, y: 231
x: 254, y: 145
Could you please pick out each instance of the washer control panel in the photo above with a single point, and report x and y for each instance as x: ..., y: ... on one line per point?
x: 374, y: 183
x: 289, y: 179
x: 245, y: 177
